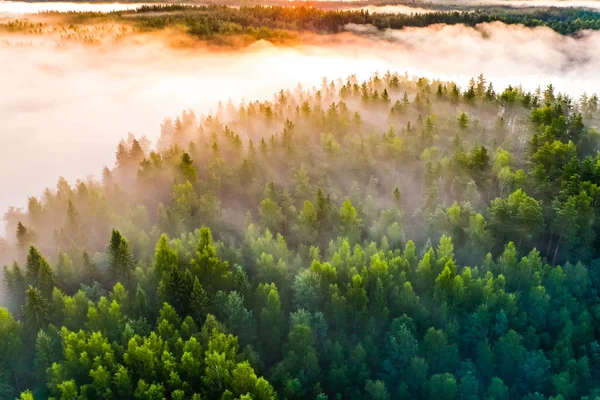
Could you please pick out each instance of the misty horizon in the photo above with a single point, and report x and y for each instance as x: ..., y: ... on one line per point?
x: 330, y: 200
x: 66, y: 101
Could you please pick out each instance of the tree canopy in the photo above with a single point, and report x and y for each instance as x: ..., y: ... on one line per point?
x: 392, y: 238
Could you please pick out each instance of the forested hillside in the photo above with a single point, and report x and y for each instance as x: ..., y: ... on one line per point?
x: 394, y: 238
x: 204, y: 20
x: 282, y: 22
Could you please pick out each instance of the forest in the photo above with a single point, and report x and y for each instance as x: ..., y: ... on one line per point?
x: 268, y: 22
x: 205, y: 20
x: 394, y: 238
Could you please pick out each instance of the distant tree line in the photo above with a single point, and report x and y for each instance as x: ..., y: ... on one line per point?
x: 206, y: 20
x: 218, y: 23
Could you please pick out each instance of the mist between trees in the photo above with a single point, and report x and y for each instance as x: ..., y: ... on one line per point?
x: 388, y: 238
x: 83, y: 85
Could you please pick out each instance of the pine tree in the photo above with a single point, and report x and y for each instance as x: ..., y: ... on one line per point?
x: 89, y: 270
x: 121, y: 260
x: 198, y: 301
x: 72, y: 232
x: 36, y: 311
x: 38, y: 271
x: 25, y: 237
x: 212, y: 272
x: 187, y: 168
x: 463, y: 121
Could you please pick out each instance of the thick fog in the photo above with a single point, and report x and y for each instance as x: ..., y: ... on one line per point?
x: 525, y: 3
x: 394, y: 9
x: 8, y: 8
x: 19, y: 7
x: 402, y: 9
x: 63, y: 110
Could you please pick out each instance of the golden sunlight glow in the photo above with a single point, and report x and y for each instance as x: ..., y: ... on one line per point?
x: 17, y: 7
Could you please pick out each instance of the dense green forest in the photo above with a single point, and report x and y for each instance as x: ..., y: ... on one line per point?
x: 222, y: 19
x: 394, y: 238
x: 273, y: 21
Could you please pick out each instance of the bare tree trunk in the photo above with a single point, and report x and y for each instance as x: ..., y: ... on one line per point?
x: 549, y: 243
x: 556, y: 250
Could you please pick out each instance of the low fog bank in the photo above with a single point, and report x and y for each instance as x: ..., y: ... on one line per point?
x: 395, y: 9
x: 421, y: 6
x: 12, y: 8
x: 506, y: 54
x: 523, y: 3
x: 21, y: 7
x: 63, y: 111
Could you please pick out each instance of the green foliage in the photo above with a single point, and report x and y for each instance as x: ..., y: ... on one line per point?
x: 207, y: 21
x: 121, y: 259
x: 354, y: 252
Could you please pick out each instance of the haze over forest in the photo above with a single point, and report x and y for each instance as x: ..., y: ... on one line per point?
x: 131, y: 87
x: 288, y: 200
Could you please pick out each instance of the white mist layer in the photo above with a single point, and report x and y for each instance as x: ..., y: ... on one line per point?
x: 395, y: 9
x: 63, y: 111
x: 527, y: 3
x: 18, y: 7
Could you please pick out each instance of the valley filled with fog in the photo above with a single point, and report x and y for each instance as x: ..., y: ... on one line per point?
x: 67, y: 105
x: 18, y: 7
x: 269, y: 200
